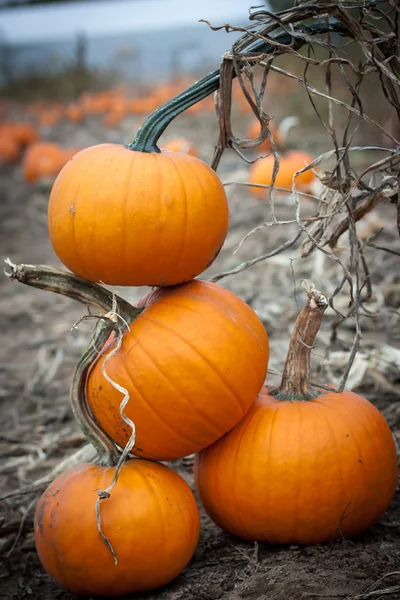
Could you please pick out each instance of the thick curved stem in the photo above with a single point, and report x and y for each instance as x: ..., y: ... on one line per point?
x: 105, y: 447
x: 153, y: 127
x: 67, y: 284
x: 295, y: 383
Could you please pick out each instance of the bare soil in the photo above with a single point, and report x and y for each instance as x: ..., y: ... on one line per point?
x: 39, y: 351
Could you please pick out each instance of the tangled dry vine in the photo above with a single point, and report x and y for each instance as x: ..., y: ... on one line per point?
x: 346, y: 195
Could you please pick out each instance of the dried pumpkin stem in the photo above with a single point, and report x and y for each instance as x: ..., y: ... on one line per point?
x: 67, y: 284
x: 153, y: 127
x: 105, y: 447
x: 295, y: 383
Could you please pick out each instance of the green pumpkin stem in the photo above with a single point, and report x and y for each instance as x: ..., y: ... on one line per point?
x: 295, y: 383
x: 154, y: 126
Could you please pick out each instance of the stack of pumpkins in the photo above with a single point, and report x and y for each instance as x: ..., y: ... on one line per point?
x: 296, y: 467
x: 193, y: 362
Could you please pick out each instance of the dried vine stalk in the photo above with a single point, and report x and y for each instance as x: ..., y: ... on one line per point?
x: 347, y: 195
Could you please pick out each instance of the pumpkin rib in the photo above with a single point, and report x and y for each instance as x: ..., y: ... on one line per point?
x: 236, y: 477
x: 337, y: 463
x: 212, y: 367
x: 359, y: 450
x: 316, y: 429
x: 272, y: 425
x: 180, y: 394
x: 93, y: 257
x: 162, y: 513
x: 124, y: 237
x: 225, y: 312
x: 194, y: 172
x: 150, y: 407
x: 298, y: 488
x: 184, y: 204
x: 371, y: 438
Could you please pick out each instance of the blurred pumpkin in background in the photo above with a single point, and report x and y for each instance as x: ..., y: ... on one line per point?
x: 45, y: 160
x: 295, y: 160
x: 181, y: 145
x: 10, y: 149
x: 74, y: 113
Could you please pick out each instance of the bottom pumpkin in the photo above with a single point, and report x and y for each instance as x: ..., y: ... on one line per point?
x: 151, y: 520
x: 300, y: 472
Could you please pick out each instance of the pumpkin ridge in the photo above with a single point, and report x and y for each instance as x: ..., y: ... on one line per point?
x: 316, y: 431
x: 371, y: 439
x: 272, y: 425
x: 226, y: 311
x: 333, y: 439
x: 150, y: 407
x: 181, y: 395
x: 258, y: 414
x: 93, y: 254
x: 125, y: 230
x: 205, y: 193
x: 162, y: 512
x: 299, y: 479
x: 184, y: 204
x: 359, y: 450
x: 190, y: 308
x: 237, y: 504
x: 212, y: 367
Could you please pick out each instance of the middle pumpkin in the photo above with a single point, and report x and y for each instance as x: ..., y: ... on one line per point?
x: 193, y: 363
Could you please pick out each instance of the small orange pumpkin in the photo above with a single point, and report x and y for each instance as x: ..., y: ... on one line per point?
x: 113, y: 118
x: 150, y: 519
x: 49, y: 117
x: 10, y: 149
x: 193, y: 363
x: 126, y: 217
x: 305, y: 465
x: 181, y: 145
x: 43, y: 160
x: 25, y: 133
x: 295, y: 160
x: 74, y: 113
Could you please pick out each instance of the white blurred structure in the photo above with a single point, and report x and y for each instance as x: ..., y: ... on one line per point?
x: 145, y: 35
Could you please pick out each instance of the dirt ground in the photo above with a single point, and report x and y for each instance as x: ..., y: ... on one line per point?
x: 40, y: 348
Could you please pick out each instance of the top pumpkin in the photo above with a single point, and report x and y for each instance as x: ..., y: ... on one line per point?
x: 125, y: 217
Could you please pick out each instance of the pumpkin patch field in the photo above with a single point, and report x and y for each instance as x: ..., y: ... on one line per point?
x: 200, y: 309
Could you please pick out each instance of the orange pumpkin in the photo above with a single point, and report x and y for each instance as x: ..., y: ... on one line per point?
x: 262, y: 170
x: 10, y: 149
x: 300, y: 472
x: 49, y: 117
x: 43, y: 160
x: 114, y: 118
x: 24, y: 133
x: 254, y: 131
x: 305, y: 465
x: 181, y: 145
x: 193, y: 363
x: 74, y: 113
x: 150, y: 519
x: 127, y: 217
